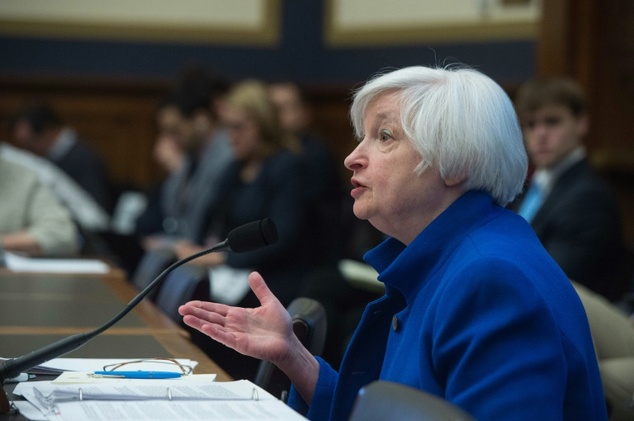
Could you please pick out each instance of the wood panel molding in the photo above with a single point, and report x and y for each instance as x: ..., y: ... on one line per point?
x: 116, y: 117
x: 241, y: 22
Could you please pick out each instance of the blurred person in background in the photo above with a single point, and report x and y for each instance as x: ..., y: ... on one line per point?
x: 572, y: 210
x: 194, y: 150
x: 86, y: 212
x: 32, y: 221
x: 323, y: 184
x: 38, y: 128
x: 264, y: 180
x: 170, y: 155
x: 331, y: 233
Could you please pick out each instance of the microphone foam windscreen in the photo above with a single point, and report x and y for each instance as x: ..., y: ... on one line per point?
x: 252, y: 236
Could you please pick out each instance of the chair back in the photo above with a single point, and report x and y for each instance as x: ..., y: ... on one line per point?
x: 185, y: 283
x: 310, y: 326
x: 613, y: 339
x: 383, y: 400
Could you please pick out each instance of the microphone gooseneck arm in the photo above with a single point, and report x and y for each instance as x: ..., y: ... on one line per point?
x: 13, y: 367
x: 244, y: 238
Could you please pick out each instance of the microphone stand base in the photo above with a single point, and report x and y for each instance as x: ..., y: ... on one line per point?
x: 6, y: 407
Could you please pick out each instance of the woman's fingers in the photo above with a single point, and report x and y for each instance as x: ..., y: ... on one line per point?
x: 194, y: 322
x: 258, y: 332
x: 215, y: 331
x: 199, y: 307
x: 260, y: 289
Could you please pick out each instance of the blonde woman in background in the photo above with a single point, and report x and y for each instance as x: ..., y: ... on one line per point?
x: 264, y: 181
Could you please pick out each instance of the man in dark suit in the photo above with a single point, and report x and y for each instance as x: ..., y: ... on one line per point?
x: 39, y: 129
x: 571, y: 209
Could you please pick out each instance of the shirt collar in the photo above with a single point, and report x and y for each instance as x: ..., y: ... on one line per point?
x: 64, y: 142
x: 546, y: 177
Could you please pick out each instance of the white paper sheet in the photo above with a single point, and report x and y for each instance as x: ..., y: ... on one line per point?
x: 19, y: 263
x: 29, y: 411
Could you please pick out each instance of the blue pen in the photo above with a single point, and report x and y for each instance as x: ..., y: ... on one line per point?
x: 138, y: 374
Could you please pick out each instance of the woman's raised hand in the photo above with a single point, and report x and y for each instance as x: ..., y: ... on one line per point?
x: 264, y: 332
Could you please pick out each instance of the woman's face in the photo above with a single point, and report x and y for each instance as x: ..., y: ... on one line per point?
x: 386, y: 190
x: 243, y: 133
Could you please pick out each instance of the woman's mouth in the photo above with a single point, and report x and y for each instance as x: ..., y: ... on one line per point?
x: 357, y: 188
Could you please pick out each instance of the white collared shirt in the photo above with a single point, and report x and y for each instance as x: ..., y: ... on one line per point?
x: 66, y: 139
x: 547, y: 177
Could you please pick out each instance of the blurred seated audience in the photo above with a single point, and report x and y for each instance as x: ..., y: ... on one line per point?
x: 32, y: 221
x: 333, y: 232
x: 38, y: 128
x: 571, y: 209
x: 194, y: 151
x: 86, y: 212
x: 342, y: 299
x: 322, y: 181
x: 170, y: 155
x: 265, y: 180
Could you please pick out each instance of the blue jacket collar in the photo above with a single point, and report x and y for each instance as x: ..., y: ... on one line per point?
x: 395, y: 262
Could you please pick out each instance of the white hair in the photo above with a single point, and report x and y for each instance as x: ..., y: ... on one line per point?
x: 460, y: 121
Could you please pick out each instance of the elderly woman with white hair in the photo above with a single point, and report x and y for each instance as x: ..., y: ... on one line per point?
x: 475, y: 311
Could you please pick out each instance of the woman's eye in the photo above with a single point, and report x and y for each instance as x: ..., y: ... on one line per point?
x: 385, y: 135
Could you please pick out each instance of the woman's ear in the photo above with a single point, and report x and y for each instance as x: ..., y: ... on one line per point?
x: 455, y: 180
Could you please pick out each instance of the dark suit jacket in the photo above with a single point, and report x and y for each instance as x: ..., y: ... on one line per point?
x: 580, y: 226
x: 275, y: 193
x: 87, y: 168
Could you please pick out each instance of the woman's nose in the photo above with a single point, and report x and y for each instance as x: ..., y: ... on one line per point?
x: 354, y: 160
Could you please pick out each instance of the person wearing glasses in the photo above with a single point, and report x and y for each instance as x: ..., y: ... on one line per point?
x: 475, y: 310
x: 265, y: 179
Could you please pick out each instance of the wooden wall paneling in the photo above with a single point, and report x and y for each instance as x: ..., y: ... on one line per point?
x: 567, y: 41
x: 122, y: 130
x: 331, y: 122
x: 553, y: 40
x: 613, y: 110
x: 115, y: 118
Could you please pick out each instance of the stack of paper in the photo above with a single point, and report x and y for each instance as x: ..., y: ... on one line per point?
x: 78, y: 394
x: 190, y: 397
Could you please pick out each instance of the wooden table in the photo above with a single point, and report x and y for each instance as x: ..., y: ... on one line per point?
x: 37, y: 309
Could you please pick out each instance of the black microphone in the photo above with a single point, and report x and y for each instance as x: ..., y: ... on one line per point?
x: 245, y: 238
x: 252, y: 236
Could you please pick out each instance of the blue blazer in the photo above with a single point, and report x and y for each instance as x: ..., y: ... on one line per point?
x: 475, y: 312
